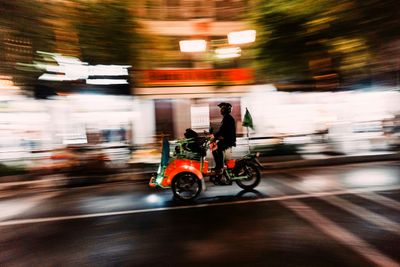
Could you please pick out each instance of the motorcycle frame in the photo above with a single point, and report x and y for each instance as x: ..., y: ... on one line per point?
x: 158, y: 179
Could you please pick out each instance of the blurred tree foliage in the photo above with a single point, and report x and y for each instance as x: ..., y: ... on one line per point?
x: 107, y: 31
x: 24, y: 29
x: 98, y: 32
x: 26, y: 19
x: 309, y: 39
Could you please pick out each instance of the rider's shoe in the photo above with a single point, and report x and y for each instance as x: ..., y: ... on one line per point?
x: 224, y: 181
x: 212, y: 179
x: 219, y: 172
x: 216, y: 179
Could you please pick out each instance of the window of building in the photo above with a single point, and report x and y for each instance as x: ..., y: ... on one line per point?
x: 173, y: 9
x: 153, y: 9
x: 200, y: 9
x: 230, y: 9
x: 173, y: 3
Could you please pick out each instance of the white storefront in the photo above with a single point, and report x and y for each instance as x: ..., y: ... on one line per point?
x: 353, y: 119
x: 28, y: 124
x: 24, y: 126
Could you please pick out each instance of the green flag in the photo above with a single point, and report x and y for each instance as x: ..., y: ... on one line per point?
x: 247, y: 120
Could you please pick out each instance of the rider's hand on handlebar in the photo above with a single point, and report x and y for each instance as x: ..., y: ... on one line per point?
x: 212, y: 138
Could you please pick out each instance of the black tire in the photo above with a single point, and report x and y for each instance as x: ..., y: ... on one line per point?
x: 186, y: 186
x: 253, y: 174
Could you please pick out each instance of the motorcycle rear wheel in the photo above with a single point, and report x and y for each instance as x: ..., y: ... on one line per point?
x: 253, y: 176
x: 186, y: 186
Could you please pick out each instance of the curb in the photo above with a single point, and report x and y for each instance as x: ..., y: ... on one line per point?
x: 337, y: 160
x: 60, y: 181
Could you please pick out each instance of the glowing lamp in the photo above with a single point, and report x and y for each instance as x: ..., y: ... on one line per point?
x: 228, y: 52
x: 242, y: 37
x: 193, y: 45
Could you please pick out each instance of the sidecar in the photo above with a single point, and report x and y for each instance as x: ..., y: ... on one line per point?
x: 183, y: 172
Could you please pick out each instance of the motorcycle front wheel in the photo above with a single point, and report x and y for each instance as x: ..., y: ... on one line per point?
x: 253, y: 176
x: 186, y: 186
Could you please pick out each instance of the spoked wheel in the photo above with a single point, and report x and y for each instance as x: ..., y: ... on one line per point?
x: 186, y: 186
x: 253, y: 176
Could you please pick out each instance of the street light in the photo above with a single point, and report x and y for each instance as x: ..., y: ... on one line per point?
x: 193, y: 45
x: 228, y: 52
x: 242, y: 37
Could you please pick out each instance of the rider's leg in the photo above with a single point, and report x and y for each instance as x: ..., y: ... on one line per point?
x: 223, y: 178
x: 219, y: 160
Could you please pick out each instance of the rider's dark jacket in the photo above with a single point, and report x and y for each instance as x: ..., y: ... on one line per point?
x: 227, y: 130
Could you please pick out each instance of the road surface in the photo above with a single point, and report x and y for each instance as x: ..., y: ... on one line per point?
x: 330, y: 216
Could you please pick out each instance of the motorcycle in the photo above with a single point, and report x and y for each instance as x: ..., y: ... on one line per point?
x: 186, y: 170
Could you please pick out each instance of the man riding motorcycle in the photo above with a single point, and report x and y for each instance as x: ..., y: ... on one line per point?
x: 225, y: 138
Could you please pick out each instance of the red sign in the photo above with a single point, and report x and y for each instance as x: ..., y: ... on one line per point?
x: 183, y: 77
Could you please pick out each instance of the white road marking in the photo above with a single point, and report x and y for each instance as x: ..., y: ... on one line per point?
x: 364, y: 214
x: 379, y: 199
x: 384, y: 201
x: 354, y: 209
x: 340, y: 234
x: 12, y: 207
x: 126, y: 212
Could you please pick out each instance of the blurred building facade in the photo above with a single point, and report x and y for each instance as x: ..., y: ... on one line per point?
x: 42, y: 115
x: 172, y: 90
x: 169, y: 90
x: 187, y: 86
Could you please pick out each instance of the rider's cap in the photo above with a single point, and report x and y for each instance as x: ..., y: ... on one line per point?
x: 224, y: 104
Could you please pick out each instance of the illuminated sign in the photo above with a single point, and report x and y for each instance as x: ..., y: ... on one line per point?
x: 72, y: 69
x: 200, y: 117
x: 184, y: 77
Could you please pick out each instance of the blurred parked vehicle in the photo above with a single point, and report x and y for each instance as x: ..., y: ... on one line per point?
x: 85, y: 164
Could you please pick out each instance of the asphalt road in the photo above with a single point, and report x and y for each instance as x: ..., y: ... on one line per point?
x: 331, y: 216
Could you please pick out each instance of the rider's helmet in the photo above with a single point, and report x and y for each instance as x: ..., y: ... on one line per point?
x: 225, y: 107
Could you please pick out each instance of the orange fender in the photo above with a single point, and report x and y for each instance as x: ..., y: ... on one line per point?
x: 171, y: 173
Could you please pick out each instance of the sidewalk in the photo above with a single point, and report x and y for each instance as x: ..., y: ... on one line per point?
x: 141, y: 173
